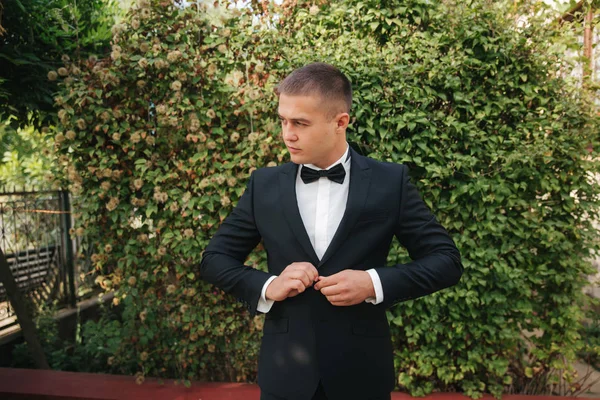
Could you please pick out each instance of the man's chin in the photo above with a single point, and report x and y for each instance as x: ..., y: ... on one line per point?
x: 297, y: 159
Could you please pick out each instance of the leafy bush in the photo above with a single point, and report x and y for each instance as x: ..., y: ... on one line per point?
x: 90, y: 351
x: 34, y: 35
x: 590, y: 332
x: 160, y: 139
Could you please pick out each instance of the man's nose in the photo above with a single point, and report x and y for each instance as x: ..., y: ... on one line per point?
x: 288, y: 134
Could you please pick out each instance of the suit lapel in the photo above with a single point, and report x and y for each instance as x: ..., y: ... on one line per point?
x: 360, y: 178
x: 287, y: 184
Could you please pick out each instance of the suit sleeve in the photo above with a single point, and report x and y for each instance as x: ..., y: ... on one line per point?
x: 435, y: 262
x: 223, y: 259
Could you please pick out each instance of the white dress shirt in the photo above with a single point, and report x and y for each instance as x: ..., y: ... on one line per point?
x: 322, y: 205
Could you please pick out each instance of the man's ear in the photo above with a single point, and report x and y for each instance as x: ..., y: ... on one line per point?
x: 342, y: 120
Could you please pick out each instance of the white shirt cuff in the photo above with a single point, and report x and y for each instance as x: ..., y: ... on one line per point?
x: 377, y: 286
x: 265, y: 305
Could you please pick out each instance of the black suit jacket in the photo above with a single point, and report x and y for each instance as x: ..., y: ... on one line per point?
x: 306, y: 339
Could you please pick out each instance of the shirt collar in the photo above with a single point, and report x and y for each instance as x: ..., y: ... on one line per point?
x: 344, y: 160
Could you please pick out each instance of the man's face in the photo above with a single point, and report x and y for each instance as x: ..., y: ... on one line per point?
x: 310, y: 135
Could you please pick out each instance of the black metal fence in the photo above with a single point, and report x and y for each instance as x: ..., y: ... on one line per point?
x: 34, y: 236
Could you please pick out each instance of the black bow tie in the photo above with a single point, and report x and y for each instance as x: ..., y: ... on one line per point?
x: 337, y: 173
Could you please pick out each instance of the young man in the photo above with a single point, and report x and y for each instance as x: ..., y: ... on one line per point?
x: 327, y: 220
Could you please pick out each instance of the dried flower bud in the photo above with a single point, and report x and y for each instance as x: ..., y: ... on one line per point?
x: 225, y: 201
x: 117, y: 29
x: 176, y: 86
x: 112, y: 203
x: 173, y: 56
x: 135, y: 23
x: 138, y: 183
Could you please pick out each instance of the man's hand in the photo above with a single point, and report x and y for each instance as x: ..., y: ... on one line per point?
x: 294, y: 279
x: 346, y: 288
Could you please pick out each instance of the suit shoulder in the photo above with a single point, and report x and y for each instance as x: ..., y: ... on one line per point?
x: 272, y: 172
x: 386, y: 166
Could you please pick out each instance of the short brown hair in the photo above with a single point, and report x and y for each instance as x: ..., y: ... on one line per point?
x: 321, y: 79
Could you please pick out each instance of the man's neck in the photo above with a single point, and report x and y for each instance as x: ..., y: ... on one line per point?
x: 339, y: 152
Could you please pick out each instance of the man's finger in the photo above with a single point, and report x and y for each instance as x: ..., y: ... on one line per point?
x: 308, y: 268
x: 331, y: 290
x: 296, y: 284
x: 311, y: 271
x: 325, y: 281
x: 336, y: 298
x: 301, y: 276
x: 336, y: 301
